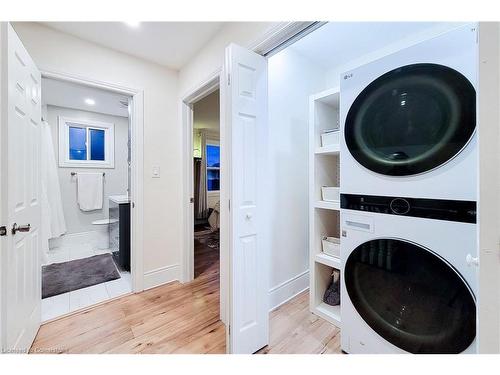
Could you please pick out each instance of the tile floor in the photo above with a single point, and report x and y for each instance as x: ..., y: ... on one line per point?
x: 72, y: 252
x: 65, y: 303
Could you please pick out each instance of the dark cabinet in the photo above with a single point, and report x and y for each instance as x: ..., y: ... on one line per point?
x: 119, y: 233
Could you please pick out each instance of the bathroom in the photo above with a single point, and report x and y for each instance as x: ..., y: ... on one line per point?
x: 86, y: 186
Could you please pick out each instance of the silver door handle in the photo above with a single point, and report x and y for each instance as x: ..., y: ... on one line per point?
x: 20, y: 228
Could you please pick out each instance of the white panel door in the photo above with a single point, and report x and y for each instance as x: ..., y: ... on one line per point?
x: 244, y: 143
x: 20, y: 258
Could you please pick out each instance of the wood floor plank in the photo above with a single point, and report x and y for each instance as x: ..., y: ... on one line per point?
x: 182, y: 318
x: 295, y: 330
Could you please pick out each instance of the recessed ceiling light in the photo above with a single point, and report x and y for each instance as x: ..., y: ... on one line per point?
x: 90, y: 101
x: 134, y: 24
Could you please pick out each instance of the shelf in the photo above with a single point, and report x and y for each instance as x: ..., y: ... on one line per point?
x: 328, y: 260
x: 330, y: 96
x: 328, y: 205
x: 328, y: 150
x: 324, y: 166
x: 329, y: 313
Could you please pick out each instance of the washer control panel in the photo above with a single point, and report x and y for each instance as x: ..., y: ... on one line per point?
x: 399, y: 206
x: 438, y: 209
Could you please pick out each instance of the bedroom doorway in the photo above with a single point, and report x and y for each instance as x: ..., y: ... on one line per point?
x: 206, y: 184
x: 203, y: 253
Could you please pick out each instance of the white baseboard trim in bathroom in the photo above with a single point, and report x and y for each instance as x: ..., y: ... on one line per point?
x: 97, y: 238
x: 288, y: 289
x: 161, y: 276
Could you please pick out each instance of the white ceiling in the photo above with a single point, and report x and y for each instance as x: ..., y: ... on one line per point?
x: 337, y: 43
x: 171, y: 44
x: 71, y: 95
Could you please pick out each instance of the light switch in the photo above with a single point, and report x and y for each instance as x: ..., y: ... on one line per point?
x: 156, y: 172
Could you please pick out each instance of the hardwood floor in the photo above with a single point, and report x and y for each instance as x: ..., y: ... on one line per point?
x: 206, y: 259
x: 293, y: 329
x: 180, y: 318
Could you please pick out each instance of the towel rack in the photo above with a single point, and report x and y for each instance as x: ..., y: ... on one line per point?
x: 74, y: 173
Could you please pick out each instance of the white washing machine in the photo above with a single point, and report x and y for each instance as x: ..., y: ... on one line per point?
x: 409, y: 271
x: 408, y: 121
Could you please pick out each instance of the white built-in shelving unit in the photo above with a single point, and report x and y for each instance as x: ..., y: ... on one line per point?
x: 324, y: 217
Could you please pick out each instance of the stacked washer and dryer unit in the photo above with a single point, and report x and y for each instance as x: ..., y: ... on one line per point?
x: 408, y: 199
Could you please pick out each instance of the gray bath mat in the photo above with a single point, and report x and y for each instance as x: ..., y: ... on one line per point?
x: 76, y: 274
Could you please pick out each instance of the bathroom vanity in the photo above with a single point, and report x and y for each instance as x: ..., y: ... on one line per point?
x: 119, y: 230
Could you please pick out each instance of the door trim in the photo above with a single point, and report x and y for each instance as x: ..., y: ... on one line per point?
x: 137, y: 165
x: 488, y: 196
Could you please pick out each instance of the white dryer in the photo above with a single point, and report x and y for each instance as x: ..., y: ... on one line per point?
x: 408, y: 121
x: 409, y: 271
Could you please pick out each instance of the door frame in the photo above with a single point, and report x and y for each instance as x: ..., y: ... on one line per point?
x: 199, y: 92
x: 488, y: 300
x: 136, y: 119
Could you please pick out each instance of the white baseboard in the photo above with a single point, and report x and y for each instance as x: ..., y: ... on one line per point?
x: 99, y: 239
x: 161, y: 276
x: 285, y: 291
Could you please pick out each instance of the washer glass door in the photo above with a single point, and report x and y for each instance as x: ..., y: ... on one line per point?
x: 411, y: 119
x: 411, y: 297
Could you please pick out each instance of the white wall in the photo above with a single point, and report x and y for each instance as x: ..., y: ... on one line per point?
x: 56, y: 51
x: 292, y: 78
x: 211, y: 57
x: 333, y: 75
x: 115, y: 181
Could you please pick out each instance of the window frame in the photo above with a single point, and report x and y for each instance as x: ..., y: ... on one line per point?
x: 65, y: 123
x: 211, y: 142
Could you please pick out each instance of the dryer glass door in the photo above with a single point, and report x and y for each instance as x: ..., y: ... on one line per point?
x: 411, y: 119
x: 411, y: 297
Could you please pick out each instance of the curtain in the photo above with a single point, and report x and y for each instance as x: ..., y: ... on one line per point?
x: 53, y: 222
x: 196, y: 192
x: 202, y: 206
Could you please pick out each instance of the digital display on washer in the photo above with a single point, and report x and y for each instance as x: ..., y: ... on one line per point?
x: 411, y: 297
x: 439, y: 209
x: 411, y: 120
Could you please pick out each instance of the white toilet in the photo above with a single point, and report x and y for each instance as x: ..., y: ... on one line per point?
x: 102, y: 227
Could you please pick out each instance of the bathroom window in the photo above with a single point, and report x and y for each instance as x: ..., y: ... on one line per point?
x: 86, y: 144
x: 213, y: 167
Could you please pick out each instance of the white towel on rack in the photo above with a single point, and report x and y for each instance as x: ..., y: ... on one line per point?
x: 90, y: 191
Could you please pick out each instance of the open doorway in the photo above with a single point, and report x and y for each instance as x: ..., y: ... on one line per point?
x: 203, y: 254
x: 206, y: 184
x: 86, y: 182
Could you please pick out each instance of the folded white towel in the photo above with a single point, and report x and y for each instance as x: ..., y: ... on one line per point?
x: 90, y: 191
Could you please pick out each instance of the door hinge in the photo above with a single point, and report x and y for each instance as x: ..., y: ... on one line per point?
x: 229, y: 204
x: 229, y: 328
x: 3, y: 230
x: 229, y: 79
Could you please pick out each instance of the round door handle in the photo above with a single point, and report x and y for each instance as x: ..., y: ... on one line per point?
x: 20, y: 228
x: 472, y: 260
